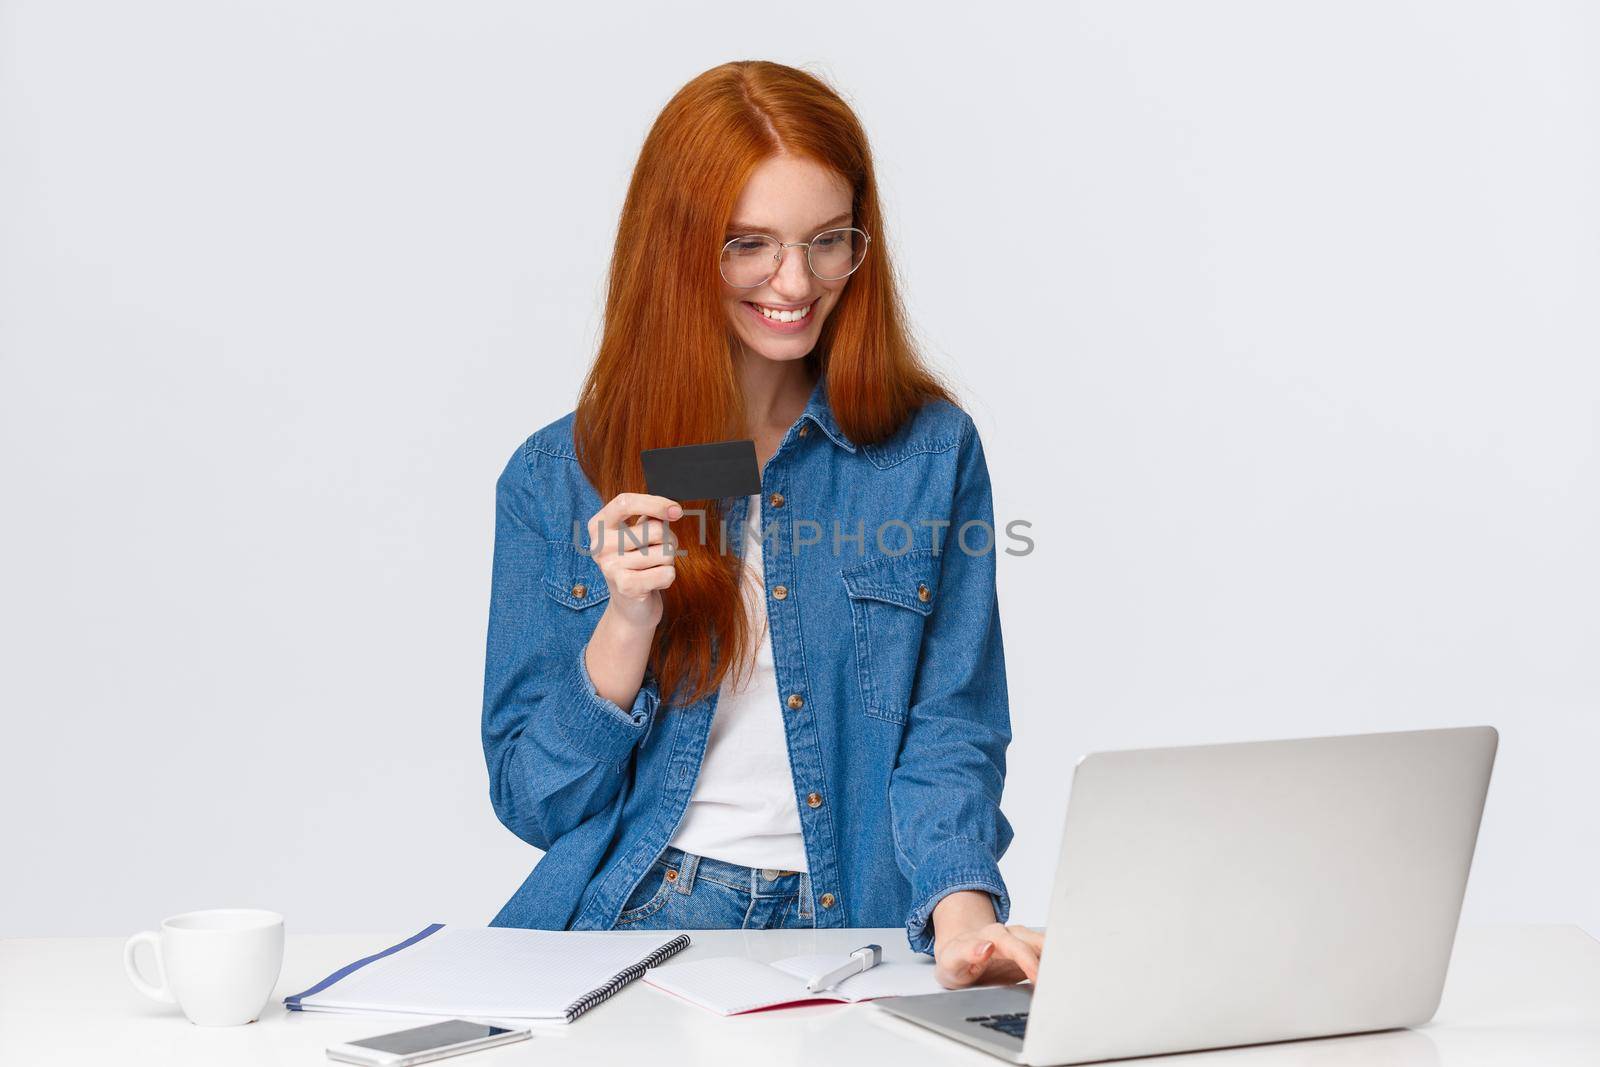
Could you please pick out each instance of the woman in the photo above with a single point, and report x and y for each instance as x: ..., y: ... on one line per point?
x: 791, y: 710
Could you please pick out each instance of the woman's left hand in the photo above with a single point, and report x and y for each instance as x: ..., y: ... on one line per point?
x: 970, y: 948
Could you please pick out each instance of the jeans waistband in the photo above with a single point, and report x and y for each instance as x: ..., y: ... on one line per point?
x: 766, y: 881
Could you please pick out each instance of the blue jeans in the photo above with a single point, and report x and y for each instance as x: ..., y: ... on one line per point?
x: 683, y: 891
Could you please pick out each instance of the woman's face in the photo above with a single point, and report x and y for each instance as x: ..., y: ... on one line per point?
x: 791, y: 199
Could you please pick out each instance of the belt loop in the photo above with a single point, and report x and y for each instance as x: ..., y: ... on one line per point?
x: 686, y: 872
x: 805, y: 897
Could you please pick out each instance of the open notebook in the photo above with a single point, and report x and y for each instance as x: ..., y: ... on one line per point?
x: 491, y: 973
x: 729, y: 985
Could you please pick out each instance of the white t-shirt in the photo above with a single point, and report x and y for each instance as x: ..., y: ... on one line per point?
x: 743, y: 809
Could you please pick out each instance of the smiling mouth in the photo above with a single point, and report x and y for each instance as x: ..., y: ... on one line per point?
x: 783, y: 314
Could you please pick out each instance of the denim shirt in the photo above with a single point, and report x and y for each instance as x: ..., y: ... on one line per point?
x: 889, y: 660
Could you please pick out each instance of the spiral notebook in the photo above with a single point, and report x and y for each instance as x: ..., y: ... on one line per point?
x: 491, y: 973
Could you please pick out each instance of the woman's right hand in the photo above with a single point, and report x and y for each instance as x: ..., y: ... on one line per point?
x: 628, y: 537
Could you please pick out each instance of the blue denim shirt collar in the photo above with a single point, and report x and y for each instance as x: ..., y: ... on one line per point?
x: 818, y: 411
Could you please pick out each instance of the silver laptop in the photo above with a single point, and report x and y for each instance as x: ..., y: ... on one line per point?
x: 1234, y: 894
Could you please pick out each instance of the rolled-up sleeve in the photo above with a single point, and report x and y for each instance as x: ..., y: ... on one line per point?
x: 944, y: 792
x: 556, y: 750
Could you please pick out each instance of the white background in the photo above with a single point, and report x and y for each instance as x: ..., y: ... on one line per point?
x: 1278, y: 322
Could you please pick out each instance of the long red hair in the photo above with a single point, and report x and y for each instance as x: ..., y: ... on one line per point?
x: 664, y: 374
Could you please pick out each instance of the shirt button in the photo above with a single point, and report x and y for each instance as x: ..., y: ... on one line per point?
x: 796, y: 702
x: 780, y: 592
x: 826, y: 900
x: 580, y: 590
x: 813, y: 800
x: 803, y: 430
x: 776, y: 500
x: 672, y: 874
x: 923, y: 594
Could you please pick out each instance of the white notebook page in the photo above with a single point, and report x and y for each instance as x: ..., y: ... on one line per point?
x: 490, y: 971
x: 729, y: 985
x: 884, y: 980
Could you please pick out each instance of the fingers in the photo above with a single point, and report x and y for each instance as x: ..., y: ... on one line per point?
x: 978, y: 959
x: 955, y: 967
x: 990, y: 954
x: 641, y: 583
x: 636, y: 571
x: 620, y: 508
x: 616, y: 542
x: 639, y: 558
x: 1008, y: 944
x: 963, y: 961
x: 642, y: 559
x: 648, y: 538
x: 1032, y: 938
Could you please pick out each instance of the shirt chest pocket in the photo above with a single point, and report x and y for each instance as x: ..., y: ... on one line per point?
x: 890, y: 599
x: 573, y: 578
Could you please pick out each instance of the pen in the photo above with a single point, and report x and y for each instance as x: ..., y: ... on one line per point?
x: 862, y: 959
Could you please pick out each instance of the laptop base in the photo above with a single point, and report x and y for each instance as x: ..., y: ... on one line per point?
x: 974, y: 1017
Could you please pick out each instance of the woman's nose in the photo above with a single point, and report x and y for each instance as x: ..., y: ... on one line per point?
x: 793, y: 280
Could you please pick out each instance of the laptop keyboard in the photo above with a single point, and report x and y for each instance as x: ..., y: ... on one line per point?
x: 1012, y: 1023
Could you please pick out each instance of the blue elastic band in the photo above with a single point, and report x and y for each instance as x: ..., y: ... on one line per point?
x: 293, y: 1002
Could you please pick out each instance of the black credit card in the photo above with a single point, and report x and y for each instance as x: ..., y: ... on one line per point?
x: 702, y: 472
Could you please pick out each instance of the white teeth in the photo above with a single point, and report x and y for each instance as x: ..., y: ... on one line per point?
x: 784, y: 316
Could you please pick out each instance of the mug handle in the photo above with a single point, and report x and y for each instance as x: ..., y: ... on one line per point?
x: 154, y: 992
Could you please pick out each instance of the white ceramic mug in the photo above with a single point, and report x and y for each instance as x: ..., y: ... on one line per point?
x: 218, y: 966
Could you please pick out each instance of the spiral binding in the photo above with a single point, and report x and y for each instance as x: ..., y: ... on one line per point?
x: 622, y: 978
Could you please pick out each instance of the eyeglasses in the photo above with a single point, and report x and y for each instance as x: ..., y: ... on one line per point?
x: 753, y: 259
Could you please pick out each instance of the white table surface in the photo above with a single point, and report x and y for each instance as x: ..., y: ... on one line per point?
x: 1516, y: 995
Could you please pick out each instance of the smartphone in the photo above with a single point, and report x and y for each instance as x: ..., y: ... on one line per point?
x: 423, y: 1043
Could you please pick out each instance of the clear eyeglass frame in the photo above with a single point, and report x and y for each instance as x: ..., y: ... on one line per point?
x: 777, y: 259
